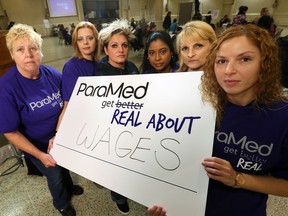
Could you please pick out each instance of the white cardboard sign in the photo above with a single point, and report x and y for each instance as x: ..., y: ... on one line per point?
x: 143, y: 136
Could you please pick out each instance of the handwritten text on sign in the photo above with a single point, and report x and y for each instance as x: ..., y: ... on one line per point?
x: 143, y: 136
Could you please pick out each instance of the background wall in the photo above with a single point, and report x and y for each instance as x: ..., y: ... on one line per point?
x: 33, y: 12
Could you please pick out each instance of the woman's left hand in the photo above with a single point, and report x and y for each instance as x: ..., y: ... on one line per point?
x: 220, y: 170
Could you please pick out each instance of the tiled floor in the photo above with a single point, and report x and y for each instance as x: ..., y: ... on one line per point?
x: 22, y: 194
x: 26, y: 195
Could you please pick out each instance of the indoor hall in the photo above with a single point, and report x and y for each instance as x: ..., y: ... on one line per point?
x: 23, y: 194
x: 28, y: 195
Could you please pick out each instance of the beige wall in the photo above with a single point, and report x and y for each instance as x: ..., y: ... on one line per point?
x: 24, y: 11
x: 33, y: 12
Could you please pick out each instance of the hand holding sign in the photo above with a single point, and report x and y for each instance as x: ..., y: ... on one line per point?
x: 146, y: 132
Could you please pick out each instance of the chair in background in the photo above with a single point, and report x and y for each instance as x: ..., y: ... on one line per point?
x: 9, y: 152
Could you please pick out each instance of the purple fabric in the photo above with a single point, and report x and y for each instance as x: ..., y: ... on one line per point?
x: 72, y: 69
x: 255, y: 141
x: 31, y: 106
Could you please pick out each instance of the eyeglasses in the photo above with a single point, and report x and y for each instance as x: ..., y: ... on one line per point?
x: 88, y: 38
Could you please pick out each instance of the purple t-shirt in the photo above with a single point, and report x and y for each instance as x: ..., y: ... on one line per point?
x: 72, y: 69
x: 255, y: 141
x: 31, y: 106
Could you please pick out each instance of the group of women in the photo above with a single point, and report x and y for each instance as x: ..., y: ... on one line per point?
x: 241, y: 80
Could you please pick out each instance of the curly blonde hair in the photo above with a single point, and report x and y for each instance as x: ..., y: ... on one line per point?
x: 88, y: 25
x: 268, y: 88
x: 119, y: 26
x: 23, y: 31
x: 193, y: 30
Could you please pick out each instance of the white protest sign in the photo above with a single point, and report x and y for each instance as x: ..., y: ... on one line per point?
x: 143, y: 136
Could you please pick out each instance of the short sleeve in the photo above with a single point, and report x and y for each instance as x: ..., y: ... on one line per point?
x: 9, y: 117
x: 69, y: 79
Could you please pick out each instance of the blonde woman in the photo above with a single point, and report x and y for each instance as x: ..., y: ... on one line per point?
x: 242, y: 82
x: 83, y: 63
x: 193, y: 45
x: 30, y: 96
x: 114, y: 42
x: 85, y: 59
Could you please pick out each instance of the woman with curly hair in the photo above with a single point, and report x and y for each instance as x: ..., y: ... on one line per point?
x: 250, y: 152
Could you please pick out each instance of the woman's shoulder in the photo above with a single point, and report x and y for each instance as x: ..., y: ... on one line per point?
x: 50, y: 71
x: 9, y: 78
x: 175, y: 67
x: 48, y: 68
x: 132, y: 67
x: 74, y: 61
x: 131, y: 63
x: 9, y: 74
x: 281, y: 105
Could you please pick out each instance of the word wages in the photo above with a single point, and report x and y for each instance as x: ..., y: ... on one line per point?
x: 126, y: 145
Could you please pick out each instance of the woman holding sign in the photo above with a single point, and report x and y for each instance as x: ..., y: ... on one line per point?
x: 30, y: 104
x: 84, y: 63
x: 193, y: 45
x: 114, y: 42
x: 242, y: 82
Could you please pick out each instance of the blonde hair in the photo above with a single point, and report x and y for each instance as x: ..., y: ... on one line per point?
x: 119, y: 26
x: 194, y: 30
x: 23, y: 31
x: 88, y: 25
